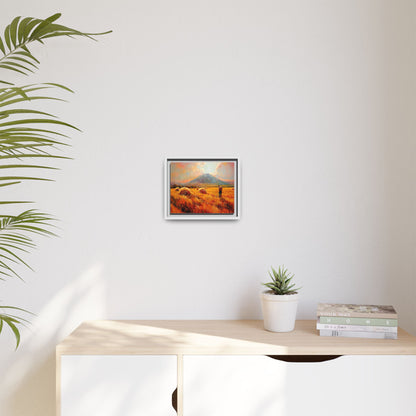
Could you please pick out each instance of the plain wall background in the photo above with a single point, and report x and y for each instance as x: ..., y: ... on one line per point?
x: 316, y: 98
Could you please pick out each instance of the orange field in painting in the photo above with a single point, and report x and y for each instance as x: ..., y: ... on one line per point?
x: 198, y: 202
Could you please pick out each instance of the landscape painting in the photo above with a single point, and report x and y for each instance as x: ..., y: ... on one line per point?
x: 202, y: 188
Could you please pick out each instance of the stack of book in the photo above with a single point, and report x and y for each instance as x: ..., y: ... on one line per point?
x: 357, y: 321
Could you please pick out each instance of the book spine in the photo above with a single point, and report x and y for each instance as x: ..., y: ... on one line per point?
x: 389, y: 329
x: 356, y: 334
x: 389, y: 316
x: 336, y: 320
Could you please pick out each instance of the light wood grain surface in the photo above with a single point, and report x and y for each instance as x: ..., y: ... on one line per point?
x: 220, y: 337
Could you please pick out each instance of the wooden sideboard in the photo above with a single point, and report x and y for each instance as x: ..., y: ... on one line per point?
x: 226, y: 368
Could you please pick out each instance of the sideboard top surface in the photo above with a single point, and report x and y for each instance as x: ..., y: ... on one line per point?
x: 219, y: 337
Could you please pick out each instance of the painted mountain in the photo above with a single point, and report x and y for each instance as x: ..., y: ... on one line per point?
x: 207, y: 179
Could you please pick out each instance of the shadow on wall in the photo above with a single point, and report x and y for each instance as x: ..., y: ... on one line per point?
x: 28, y: 386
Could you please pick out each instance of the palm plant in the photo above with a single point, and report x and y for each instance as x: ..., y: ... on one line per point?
x: 30, y: 140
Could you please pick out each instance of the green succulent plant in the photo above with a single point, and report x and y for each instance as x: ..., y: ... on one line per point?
x: 29, y: 139
x: 281, y: 282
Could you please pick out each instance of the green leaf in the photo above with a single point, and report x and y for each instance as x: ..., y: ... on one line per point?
x: 280, y: 283
x: 44, y: 24
x: 34, y: 155
x: 13, y: 30
x: 11, y: 64
x: 20, y: 59
x: 11, y: 68
x: 2, y: 46
x: 9, y: 183
x: 15, y: 330
x: 23, y: 178
x: 13, y: 320
x: 14, y: 166
x: 28, y: 29
x: 7, y: 37
x: 59, y: 86
x: 15, y: 202
x: 26, y: 54
x: 37, y: 121
x: 21, y: 28
x: 24, y: 111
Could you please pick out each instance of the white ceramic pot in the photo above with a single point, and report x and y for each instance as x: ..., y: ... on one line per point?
x: 279, y: 311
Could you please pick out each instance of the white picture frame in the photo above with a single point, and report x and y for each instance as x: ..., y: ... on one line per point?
x: 174, y: 212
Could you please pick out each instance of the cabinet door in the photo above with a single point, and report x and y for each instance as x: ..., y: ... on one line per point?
x: 132, y: 385
x: 353, y: 385
x: 233, y: 385
x: 262, y: 386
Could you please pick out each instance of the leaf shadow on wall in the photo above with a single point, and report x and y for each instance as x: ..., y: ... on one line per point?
x: 28, y: 388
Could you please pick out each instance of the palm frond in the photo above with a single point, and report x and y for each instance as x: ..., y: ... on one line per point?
x: 16, y: 236
x: 13, y: 320
x: 23, y: 137
x: 23, y: 31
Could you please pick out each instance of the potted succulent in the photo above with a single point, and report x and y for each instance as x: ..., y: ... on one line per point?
x: 280, y: 301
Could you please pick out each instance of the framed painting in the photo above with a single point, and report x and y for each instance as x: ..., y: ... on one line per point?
x: 202, y: 189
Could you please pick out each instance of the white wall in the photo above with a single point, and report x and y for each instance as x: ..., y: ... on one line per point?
x: 317, y: 99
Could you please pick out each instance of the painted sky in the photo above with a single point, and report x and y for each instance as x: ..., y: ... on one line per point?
x: 182, y: 172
